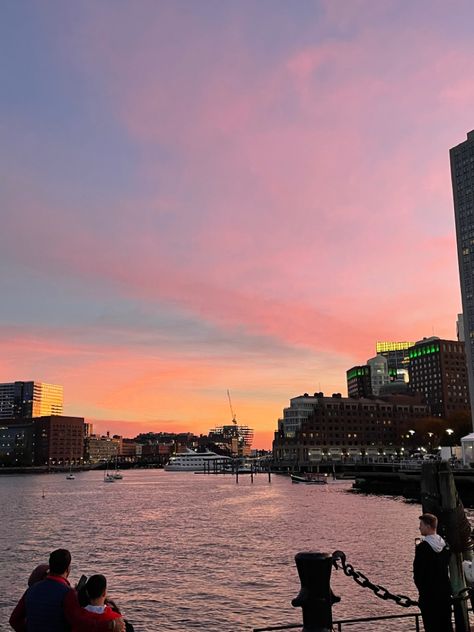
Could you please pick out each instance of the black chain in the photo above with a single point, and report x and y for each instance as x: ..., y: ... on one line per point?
x: 379, y: 591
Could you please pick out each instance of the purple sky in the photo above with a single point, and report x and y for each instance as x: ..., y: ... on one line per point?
x: 198, y: 196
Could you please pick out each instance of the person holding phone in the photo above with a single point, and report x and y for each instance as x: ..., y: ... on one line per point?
x: 52, y: 604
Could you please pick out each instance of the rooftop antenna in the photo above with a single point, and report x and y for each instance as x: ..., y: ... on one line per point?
x: 234, y: 420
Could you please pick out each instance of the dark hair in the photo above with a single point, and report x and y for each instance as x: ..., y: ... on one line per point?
x: 38, y: 574
x: 95, y: 586
x: 59, y: 561
x: 429, y: 519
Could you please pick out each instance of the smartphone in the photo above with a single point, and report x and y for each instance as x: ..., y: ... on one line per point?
x: 81, y: 583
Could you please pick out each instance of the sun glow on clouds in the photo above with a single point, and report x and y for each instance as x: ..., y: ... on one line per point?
x: 276, y: 200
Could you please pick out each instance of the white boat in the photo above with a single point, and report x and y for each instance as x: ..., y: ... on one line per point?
x: 117, y: 475
x: 191, y: 461
x: 108, y: 478
x: 70, y: 477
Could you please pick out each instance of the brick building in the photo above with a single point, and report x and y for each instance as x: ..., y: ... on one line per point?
x: 59, y: 440
x: 438, y: 371
x: 101, y: 448
x: 345, y: 426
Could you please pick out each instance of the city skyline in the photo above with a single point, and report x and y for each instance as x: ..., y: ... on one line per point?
x: 202, y: 197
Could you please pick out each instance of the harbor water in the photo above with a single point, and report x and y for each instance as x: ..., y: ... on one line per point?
x: 185, y: 551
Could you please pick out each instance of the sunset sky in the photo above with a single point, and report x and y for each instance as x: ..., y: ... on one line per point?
x: 209, y: 195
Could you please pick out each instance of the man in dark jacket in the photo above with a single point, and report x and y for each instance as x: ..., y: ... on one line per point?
x: 51, y: 605
x: 430, y: 573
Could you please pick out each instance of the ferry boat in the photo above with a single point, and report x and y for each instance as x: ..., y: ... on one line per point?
x: 191, y: 461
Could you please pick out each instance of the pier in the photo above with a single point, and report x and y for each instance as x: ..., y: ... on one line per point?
x: 439, y: 496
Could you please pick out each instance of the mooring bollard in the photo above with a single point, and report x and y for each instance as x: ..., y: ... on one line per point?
x: 315, y: 597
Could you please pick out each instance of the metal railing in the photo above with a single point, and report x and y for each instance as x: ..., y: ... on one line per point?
x: 337, y: 625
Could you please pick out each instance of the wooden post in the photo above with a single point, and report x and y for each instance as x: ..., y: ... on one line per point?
x: 439, y: 495
x: 449, y: 500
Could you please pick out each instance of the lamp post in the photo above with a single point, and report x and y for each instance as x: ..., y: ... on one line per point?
x: 450, y: 432
x: 430, y: 435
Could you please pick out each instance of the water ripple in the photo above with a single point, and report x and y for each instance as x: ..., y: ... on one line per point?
x: 199, y: 552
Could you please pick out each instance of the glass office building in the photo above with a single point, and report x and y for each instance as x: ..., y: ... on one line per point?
x: 462, y: 177
x: 24, y: 400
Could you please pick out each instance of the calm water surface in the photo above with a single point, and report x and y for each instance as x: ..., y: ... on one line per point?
x: 192, y: 552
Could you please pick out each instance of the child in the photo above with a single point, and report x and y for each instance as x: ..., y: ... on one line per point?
x: 94, y: 594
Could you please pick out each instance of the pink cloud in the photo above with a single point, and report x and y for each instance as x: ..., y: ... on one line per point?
x: 306, y: 197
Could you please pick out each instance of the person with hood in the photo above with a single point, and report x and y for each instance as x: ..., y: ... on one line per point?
x: 430, y: 574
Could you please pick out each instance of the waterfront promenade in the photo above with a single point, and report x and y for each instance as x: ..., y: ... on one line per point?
x: 200, y: 552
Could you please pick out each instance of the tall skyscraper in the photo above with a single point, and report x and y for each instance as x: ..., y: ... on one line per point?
x: 462, y: 177
x: 397, y: 358
x: 30, y: 399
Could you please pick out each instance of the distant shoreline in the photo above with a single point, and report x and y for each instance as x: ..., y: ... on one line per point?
x: 60, y: 469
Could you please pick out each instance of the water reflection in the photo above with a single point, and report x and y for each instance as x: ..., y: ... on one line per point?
x: 201, y: 552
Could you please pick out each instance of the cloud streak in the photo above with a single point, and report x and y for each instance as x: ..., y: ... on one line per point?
x: 287, y: 201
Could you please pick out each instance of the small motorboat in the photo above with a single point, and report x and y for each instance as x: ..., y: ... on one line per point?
x: 70, y: 477
x: 310, y: 478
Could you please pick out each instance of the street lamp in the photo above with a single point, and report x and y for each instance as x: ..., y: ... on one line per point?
x: 450, y: 432
x: 430, y: 435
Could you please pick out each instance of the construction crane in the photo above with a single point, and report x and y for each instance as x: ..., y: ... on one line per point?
x: 234, y: 419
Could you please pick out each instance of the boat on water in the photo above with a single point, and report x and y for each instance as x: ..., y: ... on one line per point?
x: 117, y: 475
x: 70, y: 476
x: 108, y: 477
x: 310, y: 478
x: 191, y: 461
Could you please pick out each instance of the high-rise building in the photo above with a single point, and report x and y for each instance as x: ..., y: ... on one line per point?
x: 379, y: 375
x: 462, y: 178
x: 25, y: 400
x: 397, y: 358
x: 438, y: 371
x: 460, y: 328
